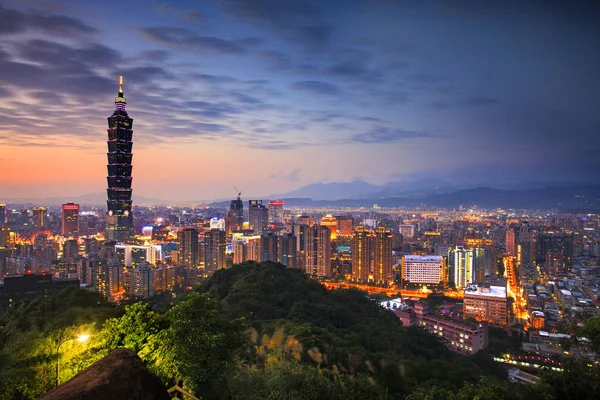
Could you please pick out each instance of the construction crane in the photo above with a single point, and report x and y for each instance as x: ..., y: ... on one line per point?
x: 238, y: 192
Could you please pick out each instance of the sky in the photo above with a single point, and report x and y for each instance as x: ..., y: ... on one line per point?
x: 270, y: 95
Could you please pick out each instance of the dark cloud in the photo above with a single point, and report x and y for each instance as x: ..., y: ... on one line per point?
x: 477, y: 101
x: 180, y: 37
x: 277, y: 59
x: 193, y: 15
x: 300, y: 21
x: 317, y: 87
x: 4, y: 92
x: 14, y: 21
x: 382, y: 134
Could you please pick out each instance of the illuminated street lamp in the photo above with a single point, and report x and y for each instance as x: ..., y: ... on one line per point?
x: 80, y: 339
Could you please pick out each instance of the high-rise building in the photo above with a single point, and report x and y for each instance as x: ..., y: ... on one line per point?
x: 132, y: 256
x: 361, y: 254
x: 424, y: 269
x: 235, y: 216
x: 556, y: 243
x: 460, y: 263
x: 188, y: 247
x: 258, y: 216
x: 141, y: 281
x: 287, y: 254
x: 276, y: 212
x: 318, y: 251
x: 512, y: 241
x: 70, y: 218
x: 269, y: 247
x: 382, y: 255
x: 70, y: 250
x: 214, y: 251
x: 119, y: 218
x: 345, y: 225
x: 40, y: 216
x: 2, y: 215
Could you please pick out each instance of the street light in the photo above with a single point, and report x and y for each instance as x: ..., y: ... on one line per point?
x: 80, y: 339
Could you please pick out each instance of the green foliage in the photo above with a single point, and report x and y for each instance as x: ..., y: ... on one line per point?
x: 591, y: 330
x: 198, y: 345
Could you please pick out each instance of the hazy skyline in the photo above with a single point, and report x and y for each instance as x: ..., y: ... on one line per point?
x: 271, y: 95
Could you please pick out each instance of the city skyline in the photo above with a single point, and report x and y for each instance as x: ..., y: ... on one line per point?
x: 287, y: 94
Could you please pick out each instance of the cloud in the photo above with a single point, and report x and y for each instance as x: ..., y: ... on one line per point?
x: 300, y: 21
x: 391, y: 135
x: 193, y: 15
x: 181, y: 37
x: 14, y: 21
x: 317, y: 87
x: 293, y: 176
x: 477, y: 101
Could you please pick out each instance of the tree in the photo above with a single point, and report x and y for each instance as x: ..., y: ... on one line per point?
x: 591, y: 329
x: 198, y: 347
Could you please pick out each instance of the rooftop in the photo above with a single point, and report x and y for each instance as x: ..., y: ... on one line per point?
x: 436, y: 259
x: 486, y: 291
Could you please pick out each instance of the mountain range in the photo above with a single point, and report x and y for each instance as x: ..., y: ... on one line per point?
x: 430, y: 192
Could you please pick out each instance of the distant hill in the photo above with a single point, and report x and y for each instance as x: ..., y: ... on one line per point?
x: 560, y: 198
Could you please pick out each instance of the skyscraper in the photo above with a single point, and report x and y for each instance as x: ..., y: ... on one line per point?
x: 512, y: 241
x: 235, y: 216
x: 318, y: 251
x: 461, y: 264
x: 119, y: 219
x: 257, y: 216
x: 276, y: 212
x: 40, y: 216
x: 188, y: 247
x: 214, y: 251
x: 361, y: 254
x: 382, y: 255
x: 2, y: 215
x: 70, y: 218
x: 287, y: 250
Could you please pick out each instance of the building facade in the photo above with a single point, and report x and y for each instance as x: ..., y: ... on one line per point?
x: 119, y: 218
x: 70, y: 218
x: 424, y: 269
x: 486, y: 303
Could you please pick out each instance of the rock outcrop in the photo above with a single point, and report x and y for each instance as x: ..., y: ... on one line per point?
x: 119, y: 375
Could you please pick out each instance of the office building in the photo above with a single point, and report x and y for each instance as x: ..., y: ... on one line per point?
x: 318, y: 251
x: 424, y: 269
x: 70, y: 218
x: 188, y: 247
x: 361, y: 254
x: 460, y: 264
x: 258, y: 216
x: 214, y: 251
x: 119, y: 218
x: 382, y: 256
x: 276, y: 212
x: 486, y: 303
x: 234, y: 220
x: 40, y: 216
x: 2, y: 215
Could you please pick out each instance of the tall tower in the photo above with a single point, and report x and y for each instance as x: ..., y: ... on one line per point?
x: 119, y: 220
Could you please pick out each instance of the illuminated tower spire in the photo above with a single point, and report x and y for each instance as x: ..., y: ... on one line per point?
x: 119, y: 220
